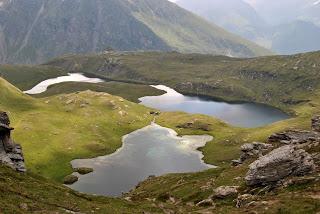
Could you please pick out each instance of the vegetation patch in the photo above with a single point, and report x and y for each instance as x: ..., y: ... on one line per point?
x: 70, y: 179
x: 83, y: 170
x: 196, y: 125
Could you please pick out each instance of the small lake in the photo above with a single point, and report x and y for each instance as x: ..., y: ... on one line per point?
x: 152, y: 150
x: 247, y: 115
x: 72, y: 77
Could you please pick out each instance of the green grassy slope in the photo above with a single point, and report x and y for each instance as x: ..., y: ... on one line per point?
x: 25, y: 77
x: 29, y: 193
x: 280, y: 81
x: 53, y: 131
x: 131, y: 92
x: 187, y: 32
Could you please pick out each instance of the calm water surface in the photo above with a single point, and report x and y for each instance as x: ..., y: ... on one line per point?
x: 153, y: 150
x: 72, y: 77
x: 239, y: 114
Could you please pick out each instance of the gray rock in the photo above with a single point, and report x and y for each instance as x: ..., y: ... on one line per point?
x: 278, y: 164
x: 10, y: 152
x: 206, y: 203
x: 225, y: 191
x: 243, y: 200
x: 249, y: 150
x: 315, y: 123
x: 294, y: 137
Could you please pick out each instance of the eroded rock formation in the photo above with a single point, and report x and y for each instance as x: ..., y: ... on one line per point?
x: 296, y: 156
x: 278, y: 164
x: 250, y: 150
x: 10, y: 152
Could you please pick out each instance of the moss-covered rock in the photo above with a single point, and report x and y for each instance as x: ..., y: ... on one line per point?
x: 83, y: 170
x: 70, y: 179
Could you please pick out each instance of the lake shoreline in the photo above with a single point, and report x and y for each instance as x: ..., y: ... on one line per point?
x: 188, y: 145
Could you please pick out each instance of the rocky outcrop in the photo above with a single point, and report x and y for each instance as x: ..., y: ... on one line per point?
x: 292, y: 158
x: 10, y: 152
x: 250, y: 150
x: 226, y: 191
x: 244, y: 200
x: 295, y: 137
x: 278, y: 164
x: 70, y: 179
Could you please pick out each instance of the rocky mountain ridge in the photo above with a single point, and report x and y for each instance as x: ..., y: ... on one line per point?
x: 36, y: 30
x: 10, y: 152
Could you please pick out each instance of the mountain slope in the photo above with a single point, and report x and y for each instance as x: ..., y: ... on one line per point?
x: 296, y: 37
x: 236, y: 16
x: 39, y: 29
x: 285, y: 11
x: 189, y: 33
x: 286, y: 27
x: 36, y: 30
x: 30, y: 193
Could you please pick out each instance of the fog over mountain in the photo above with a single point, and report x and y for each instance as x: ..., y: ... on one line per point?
x: 283, y: 25
x: 236, y: 16
x: 277, y: 12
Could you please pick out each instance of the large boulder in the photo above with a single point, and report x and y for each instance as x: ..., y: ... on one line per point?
x: 278, y: 164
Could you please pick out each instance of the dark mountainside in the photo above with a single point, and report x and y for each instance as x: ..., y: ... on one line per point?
x: 35, y: 30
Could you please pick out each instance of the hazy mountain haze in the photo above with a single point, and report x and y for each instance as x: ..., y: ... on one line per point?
x: 285, y: 26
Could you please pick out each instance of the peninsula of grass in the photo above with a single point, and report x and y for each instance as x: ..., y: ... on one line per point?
x: 128, y: 91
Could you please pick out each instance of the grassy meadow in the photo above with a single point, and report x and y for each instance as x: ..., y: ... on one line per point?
x: 69, y: 121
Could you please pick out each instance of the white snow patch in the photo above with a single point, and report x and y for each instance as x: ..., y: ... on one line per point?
x: 316, y: 2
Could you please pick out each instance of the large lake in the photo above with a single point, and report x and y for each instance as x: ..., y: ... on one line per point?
x: 152, y: 150
x: 155, y: 150
x: 247, y: 115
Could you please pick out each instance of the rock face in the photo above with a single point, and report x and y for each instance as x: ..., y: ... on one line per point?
x: 249, y: 150
x: 278, y: 164
x: 295, y: 137
x: 10, y: 152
